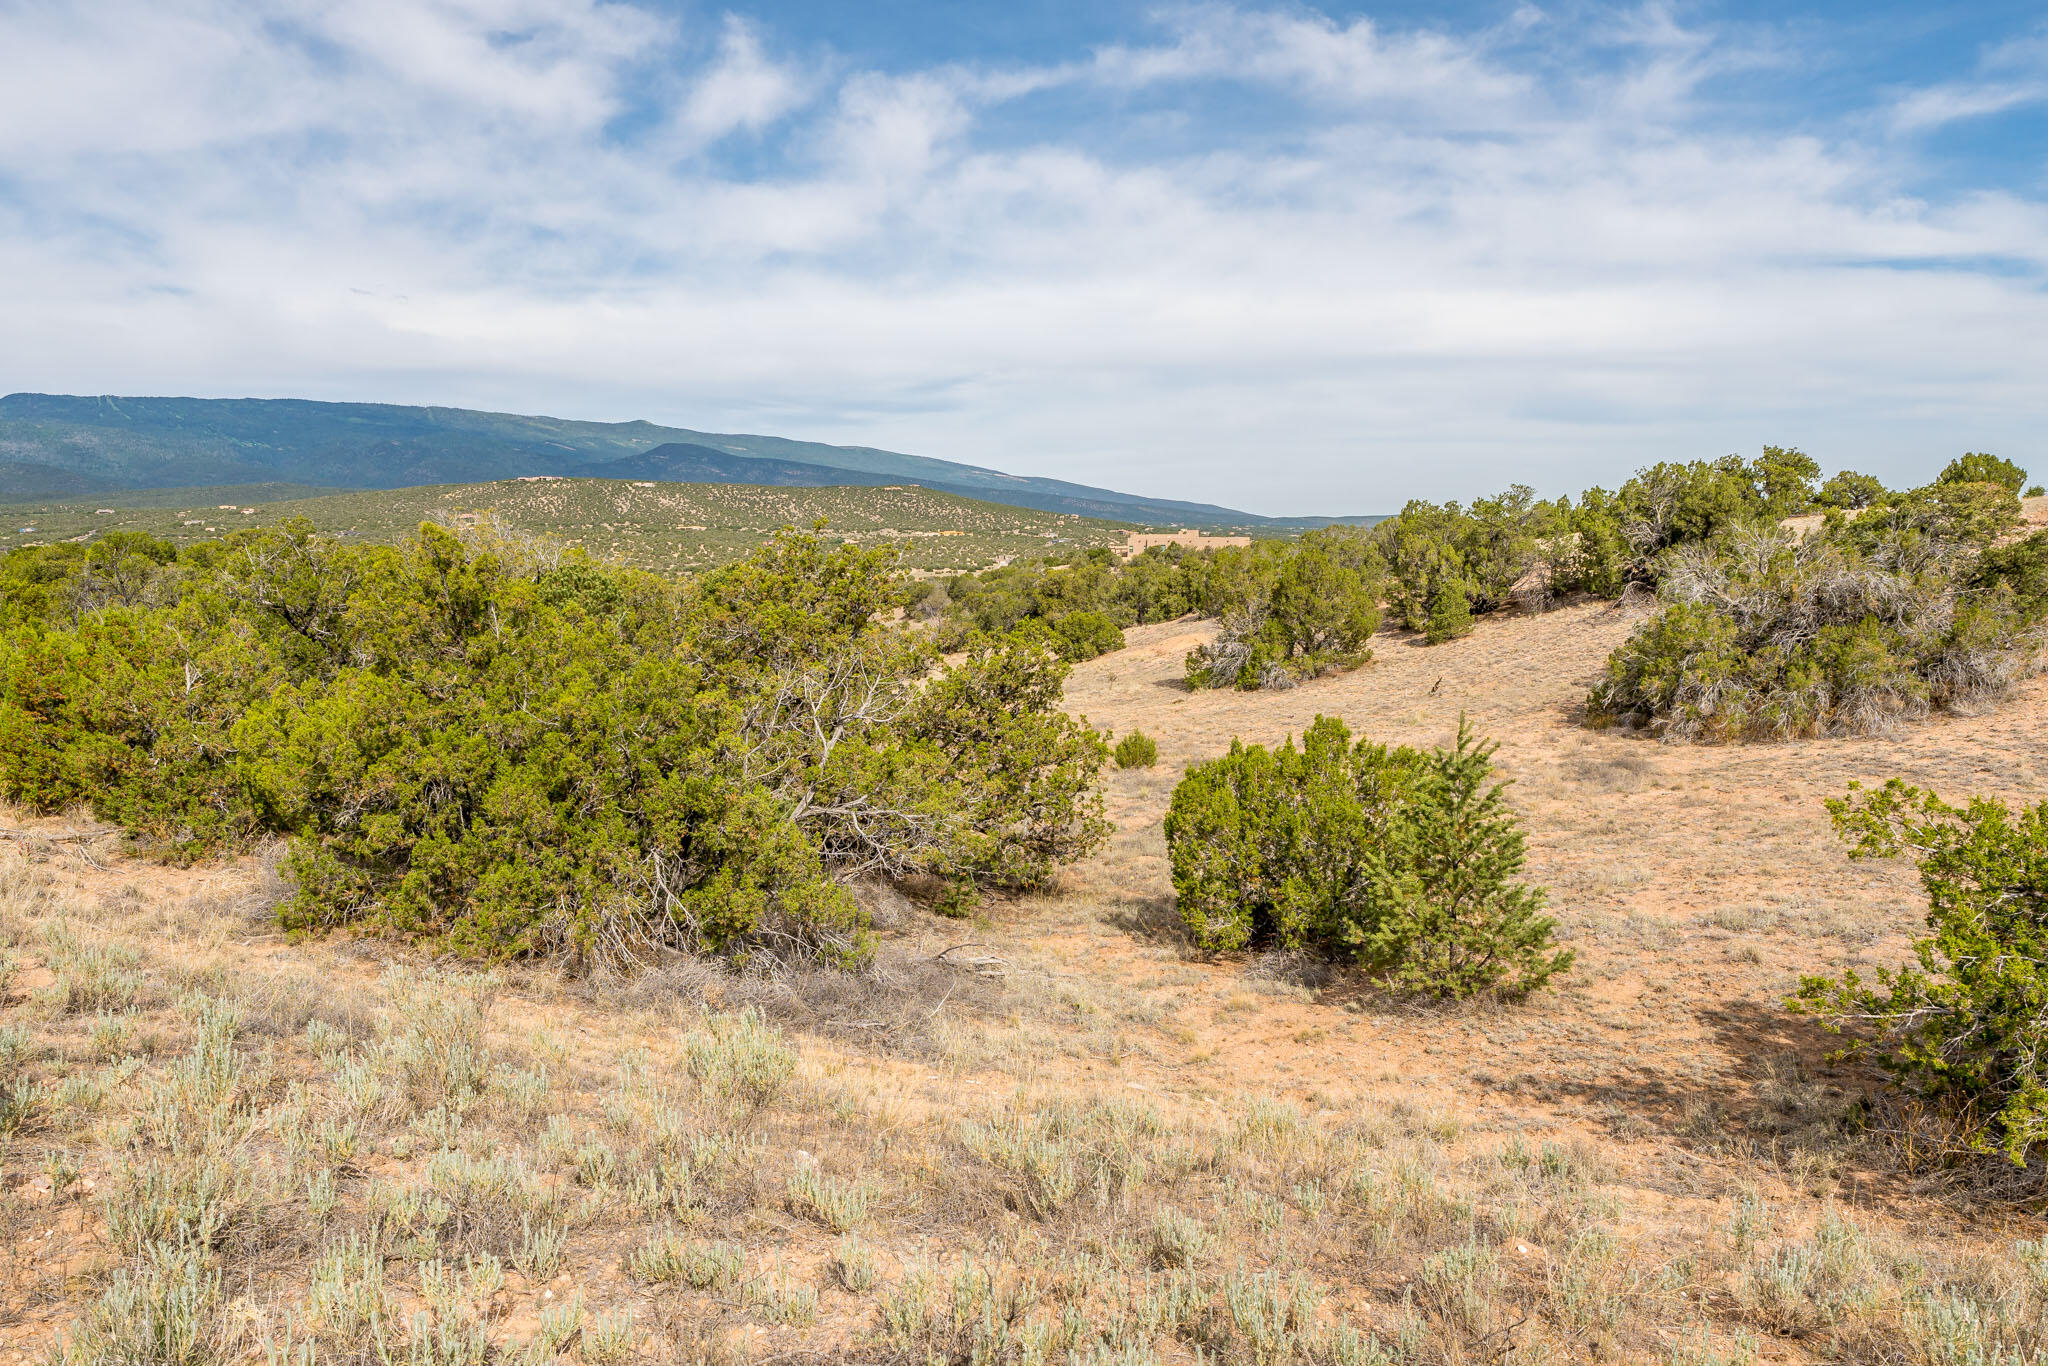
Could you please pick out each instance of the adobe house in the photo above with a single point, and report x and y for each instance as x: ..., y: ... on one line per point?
x: 1138, y: 542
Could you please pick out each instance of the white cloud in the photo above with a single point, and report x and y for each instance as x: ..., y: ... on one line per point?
x: 2011, y: 75
x: 743, y: 90
x: 1440, y: 262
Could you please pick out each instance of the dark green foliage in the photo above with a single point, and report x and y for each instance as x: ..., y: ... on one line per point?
x: 474, y: 741
x: 1976, y: 467
x: 2019, y: 568
x: 1941, y: 518
x: 1317, y: 612
x: 1589, y: 553
x: 1162, y: 583
x: 1445, y: 914
x: 1850, y: 491
x: 1781, y: 481
x: 1450, y: 614
x: 1015, y: 779
x: 1136, y: 750
x: 1967, y: 1025
x: 1671, y: 504
x: 1400, y: 861
x: 1612, y: 540
x: 1434, y: 552
x: 1269, y: 847
x: 1764, y: 635
x: 1423, y: 550
x: 1086, y: 635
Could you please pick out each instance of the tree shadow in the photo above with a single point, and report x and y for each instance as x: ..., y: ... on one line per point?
x: 1777, y: 1095
x: 1153, y: 920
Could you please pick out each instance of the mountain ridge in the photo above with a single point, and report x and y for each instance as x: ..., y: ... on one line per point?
x: 139, y: 442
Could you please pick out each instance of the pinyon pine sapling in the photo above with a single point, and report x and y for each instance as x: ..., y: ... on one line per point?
x: 1447, y: 917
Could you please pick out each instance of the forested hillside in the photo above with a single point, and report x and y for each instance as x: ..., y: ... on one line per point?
x: 54, y: 444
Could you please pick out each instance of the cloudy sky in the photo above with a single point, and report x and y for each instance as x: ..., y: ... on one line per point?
x: 1287, y: 258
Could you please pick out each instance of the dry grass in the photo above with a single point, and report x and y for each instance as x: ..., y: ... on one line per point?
x: 1054, y: 1135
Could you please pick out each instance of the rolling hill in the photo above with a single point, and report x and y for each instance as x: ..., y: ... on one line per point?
x: 52, y: 445
x: 664, y: 527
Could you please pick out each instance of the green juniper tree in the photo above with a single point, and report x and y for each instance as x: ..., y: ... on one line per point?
x: 1400, y: 861
x: 1966, y: 1024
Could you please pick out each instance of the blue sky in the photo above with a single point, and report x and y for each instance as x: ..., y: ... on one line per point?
x: 1288, y: 258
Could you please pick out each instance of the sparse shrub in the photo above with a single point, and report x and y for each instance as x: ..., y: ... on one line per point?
x: 438, y: 1046
x: 711, y: 1266
x: 541, y: 1246
x: 23, y: 1101
x: 1463, y: 1284
x: 853, y: 1265
x: 1136, y: 750
x: 836, y: 1204
x: 1061, y: 1153
x: 1401, y: 861
x: 189, y: 1198
x: 1768, y: 636
x: 780, y: 1300
x: 1965, y: 1025
x: 1801, y: 1288
x: 96, y: 979
x: 740, y: 1060
x: 169, y: 1312
x: 976, y: 1314
x: 561, y: 1324
x: 610, y: 1338
x: 658, y: 1260
x: 1271, y: 1319
x: 346, y: 1297
x: 1176, y: 1241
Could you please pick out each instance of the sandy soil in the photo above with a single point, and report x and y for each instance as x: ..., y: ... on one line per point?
x: 1697, y: 882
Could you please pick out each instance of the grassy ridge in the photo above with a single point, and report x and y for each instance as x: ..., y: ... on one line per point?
x: 662, y: 527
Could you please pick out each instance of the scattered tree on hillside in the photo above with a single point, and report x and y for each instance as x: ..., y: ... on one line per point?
x: 1318, y: 612
x: 1976, y: 467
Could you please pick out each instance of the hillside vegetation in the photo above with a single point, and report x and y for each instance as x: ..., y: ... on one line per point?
x: 496, y: 956
x: 51, y: 444
x: 513, y: 752
x: 1790, y: 606
x: 1073, y: 1134
x: 664, y: 528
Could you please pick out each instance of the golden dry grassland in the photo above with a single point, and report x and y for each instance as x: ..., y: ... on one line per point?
x: 1050, y: 1135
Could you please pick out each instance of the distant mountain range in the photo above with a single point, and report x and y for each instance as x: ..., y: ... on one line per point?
x: 54, y: 446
